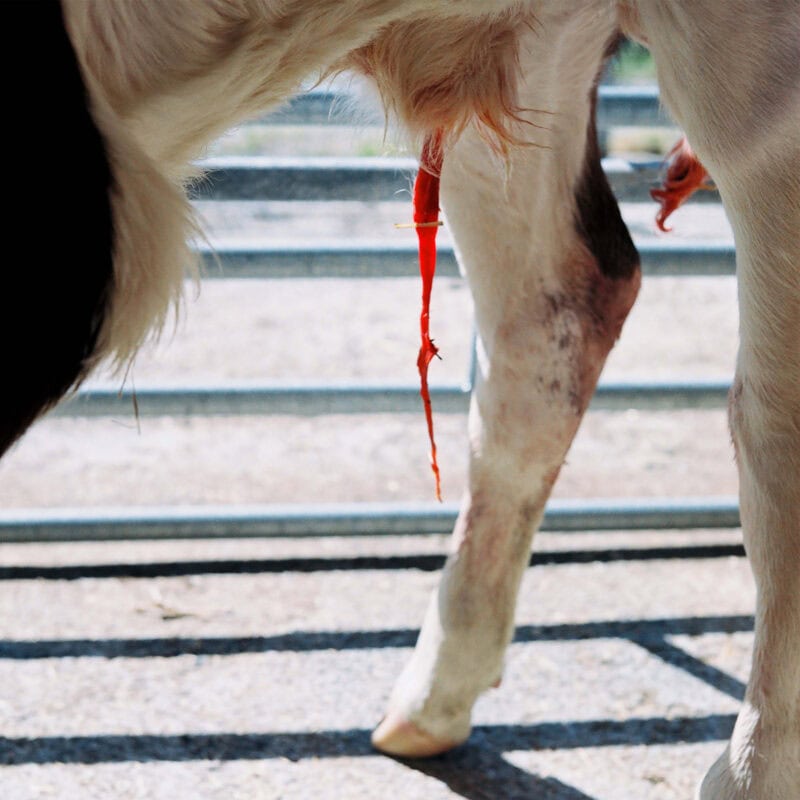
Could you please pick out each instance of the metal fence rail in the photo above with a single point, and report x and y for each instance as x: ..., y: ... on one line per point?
x: 320, y: 399
x: 235, y: 259
x: 363, y: 519
x: 372, y: 180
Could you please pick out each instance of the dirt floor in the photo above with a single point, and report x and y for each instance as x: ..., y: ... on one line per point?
x: 345, y: 331
x: 256, y: 669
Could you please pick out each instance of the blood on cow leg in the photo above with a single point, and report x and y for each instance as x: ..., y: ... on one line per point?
x: 553, y: 274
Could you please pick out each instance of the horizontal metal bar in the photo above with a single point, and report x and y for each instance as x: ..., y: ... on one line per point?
x: 617, y: 105
x: 660, y: 395
x: 323, y: 108
x: 633, y: 106
x: 370, y: 179
x: 686, y: 258
x: 236, y: 400
x: 325, y: 259
x: 365, y: 399
x: 365, y: 519
x: 333, y: 259
x: 574, y: 516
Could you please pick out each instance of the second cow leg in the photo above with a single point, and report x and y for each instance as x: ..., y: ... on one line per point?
x: 554, y: 274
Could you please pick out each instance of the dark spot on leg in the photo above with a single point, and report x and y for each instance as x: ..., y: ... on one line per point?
x: 598, y: 221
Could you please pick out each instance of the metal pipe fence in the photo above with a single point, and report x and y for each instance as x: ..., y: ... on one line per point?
x: 334, y: 259
x: 369, y: 179
x: 319, y: 399
x: 363, y: 519
x: 372, y: 180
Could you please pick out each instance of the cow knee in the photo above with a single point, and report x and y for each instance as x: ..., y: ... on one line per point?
x: 764, y: 419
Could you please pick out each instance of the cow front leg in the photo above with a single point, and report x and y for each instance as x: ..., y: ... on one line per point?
x: 553, y: 273
x: 763, y: 757
x: 730, y: 73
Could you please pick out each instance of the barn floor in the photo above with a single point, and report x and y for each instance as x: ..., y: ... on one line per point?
x: 244, y: 669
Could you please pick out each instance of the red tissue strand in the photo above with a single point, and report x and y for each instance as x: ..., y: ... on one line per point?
x: 684, y: 176
x: 426, y: 220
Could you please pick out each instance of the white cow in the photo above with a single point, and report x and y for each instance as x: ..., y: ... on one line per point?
x: 510, y: 88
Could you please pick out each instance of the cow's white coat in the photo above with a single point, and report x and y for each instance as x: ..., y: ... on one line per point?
x: 166, y: 78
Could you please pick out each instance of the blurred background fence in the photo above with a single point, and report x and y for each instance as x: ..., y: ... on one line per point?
x: 310, y: 166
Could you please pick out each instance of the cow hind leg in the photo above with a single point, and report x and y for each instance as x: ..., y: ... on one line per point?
x: 729, y: 72
x: 554, y: 273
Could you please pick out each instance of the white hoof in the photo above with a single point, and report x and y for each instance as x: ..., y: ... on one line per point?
x: 396, y: 736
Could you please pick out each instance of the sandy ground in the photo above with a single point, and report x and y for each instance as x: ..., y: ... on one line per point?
x: 245, y: 669
x: 256, y: 669
x: 365, y: 330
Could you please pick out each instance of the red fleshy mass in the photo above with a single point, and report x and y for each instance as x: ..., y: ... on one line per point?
x: 684, y: 176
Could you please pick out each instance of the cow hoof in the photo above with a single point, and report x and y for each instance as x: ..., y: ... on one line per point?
x: 771, y: 775
x: 718, y: 782
x: 396, y: 736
